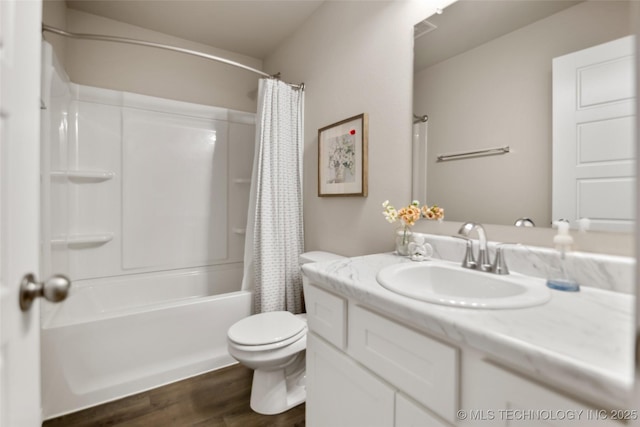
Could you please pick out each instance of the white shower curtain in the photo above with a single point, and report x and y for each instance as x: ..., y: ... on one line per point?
x: 274, y: 239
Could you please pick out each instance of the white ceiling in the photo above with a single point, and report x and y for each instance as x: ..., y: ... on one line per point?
x: 250, y: 27
x: 469, y: 23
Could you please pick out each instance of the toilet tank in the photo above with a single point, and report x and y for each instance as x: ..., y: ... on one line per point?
x: 318, y: 256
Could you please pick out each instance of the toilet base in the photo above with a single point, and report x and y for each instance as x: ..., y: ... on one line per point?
x: 277, y: 391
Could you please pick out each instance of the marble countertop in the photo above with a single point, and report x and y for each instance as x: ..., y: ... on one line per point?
x: 580, y: 341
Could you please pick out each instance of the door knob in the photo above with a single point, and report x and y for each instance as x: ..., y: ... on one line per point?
x: 54, y: 289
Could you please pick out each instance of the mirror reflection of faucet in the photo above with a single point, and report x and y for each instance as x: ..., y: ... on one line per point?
x: 524, y: 222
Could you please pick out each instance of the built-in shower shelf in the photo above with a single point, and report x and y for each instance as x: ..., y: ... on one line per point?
x: 85, y: 175
x: 239, y: 230
x: 82, y: 239
x: 242, y: 181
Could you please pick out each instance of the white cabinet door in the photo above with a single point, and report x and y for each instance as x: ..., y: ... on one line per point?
x: 593, y: 135
x: 340, y: 393
x: 19, y: 203
x: 409, y: 414
x: 493, y: 396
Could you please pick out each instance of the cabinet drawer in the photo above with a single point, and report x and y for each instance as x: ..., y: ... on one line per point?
x: 423, y: 368
x: 326, y: 315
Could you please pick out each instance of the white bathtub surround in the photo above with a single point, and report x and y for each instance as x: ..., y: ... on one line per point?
x: 275, y: 238
x: 141, y: 184
x: 608, y: 272
x: 579, y: 341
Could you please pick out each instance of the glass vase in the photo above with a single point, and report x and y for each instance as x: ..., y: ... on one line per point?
x: 403, y: 238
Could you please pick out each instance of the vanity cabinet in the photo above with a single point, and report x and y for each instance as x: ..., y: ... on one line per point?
x: 364, y: 369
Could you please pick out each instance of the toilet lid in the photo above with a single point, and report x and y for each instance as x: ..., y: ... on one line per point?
x: 265, y: 328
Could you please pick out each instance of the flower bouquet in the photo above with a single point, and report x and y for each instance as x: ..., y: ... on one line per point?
x: 408, y: 216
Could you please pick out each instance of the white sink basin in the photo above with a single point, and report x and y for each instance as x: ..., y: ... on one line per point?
x: 446, y: 283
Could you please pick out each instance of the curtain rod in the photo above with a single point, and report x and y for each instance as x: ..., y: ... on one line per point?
x: 124, y: 40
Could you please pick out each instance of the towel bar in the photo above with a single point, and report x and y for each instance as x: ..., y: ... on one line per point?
x: 484, y: 152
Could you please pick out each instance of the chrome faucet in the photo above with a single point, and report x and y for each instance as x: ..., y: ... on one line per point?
x: 483, y: 262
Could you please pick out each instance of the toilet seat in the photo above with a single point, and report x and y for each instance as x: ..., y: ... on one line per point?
x: 265, y: 331
x: 288, y: 343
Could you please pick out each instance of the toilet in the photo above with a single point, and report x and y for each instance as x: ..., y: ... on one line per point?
x: 273, y: 345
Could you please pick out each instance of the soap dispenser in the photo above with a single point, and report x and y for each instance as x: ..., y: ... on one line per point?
x: 563, y: 242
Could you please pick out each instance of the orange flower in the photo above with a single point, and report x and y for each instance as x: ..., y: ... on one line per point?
x: 433, y: 212
x: 409, y: 215
x: 412, y: 213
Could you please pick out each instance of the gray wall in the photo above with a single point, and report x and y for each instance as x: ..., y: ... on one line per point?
x: 356, y: 57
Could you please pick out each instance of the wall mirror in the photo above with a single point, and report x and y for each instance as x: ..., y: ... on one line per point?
x: 483, y: 77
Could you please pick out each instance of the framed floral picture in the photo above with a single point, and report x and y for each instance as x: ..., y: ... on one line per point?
x: 342, y: 157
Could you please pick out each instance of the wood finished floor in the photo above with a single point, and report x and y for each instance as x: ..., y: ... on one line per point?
x: 218, y: 399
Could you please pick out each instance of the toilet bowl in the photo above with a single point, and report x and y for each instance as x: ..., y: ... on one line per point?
x: 273, y: 345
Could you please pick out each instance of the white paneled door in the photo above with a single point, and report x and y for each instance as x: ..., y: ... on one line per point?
x: 19, y: 209
x: 594, y: 136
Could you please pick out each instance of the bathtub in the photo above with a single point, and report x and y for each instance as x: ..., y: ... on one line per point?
x: 115, y: 337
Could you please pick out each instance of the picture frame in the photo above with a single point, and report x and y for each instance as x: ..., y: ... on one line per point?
x: 342, y: 157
